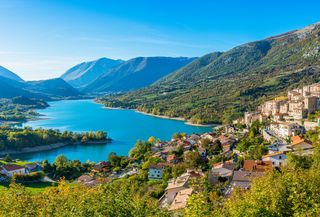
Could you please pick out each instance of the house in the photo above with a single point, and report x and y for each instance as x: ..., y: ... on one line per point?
x: 273, y: 147
x: 297, y: 143
x: 86, y: 179
x: 102, y: 167
x: 250, y: 117
x: 195, y: 137
x: 267, y: 135
x: 286, y: 130
x: 156, y: 171
x: 242, y: 179
x: 177, y: 185
x: 202, y: 151
x: 30, y: 168
x: 181, y: 199
x: 278, y: 159
x: 257, y: 166
x: 11, y: 169
x: 172, y: 158
x: 90, y: 181
x: 209, y: 136
x: 221, y: 172
x: 174, y: 186
x: 226, y: 147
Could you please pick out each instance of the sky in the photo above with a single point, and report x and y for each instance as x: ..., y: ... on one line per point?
x: 41, y: 39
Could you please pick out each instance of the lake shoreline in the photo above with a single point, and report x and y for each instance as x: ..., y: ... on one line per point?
x: 124, y: 126
x: 186, y: 121
x: 50, y: 147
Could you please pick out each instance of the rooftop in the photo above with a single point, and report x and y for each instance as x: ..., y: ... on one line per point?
x: 272, y: 154
x: 245, y: 176
x: 181, y: 199
x: 179, y: 181
x: 257, y: 165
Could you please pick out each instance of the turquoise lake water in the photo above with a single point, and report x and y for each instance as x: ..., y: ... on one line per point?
x: 125, y: 127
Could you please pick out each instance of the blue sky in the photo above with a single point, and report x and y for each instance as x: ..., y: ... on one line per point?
x: 41, y: 39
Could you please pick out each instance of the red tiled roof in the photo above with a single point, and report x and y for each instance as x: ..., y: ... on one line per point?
x: 257, y: 166
x: 296, y: 140
x: 171, y: 157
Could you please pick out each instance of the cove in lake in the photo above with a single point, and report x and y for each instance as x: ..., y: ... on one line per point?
x: 125, y: 127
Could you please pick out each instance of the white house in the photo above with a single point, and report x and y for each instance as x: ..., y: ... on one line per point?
x: 278, y: 159
x: 156, y: 171
x: 10, y: 170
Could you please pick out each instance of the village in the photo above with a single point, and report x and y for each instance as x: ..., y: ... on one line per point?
x: 229, y: 157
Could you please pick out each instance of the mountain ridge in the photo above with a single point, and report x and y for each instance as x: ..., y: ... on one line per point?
x: 4, y: 72
x: 45, y: 89
x: 220, y: 86
x: 136, y: 73
x: 86, y: 72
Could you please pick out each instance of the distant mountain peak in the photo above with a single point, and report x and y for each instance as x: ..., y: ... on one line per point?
x: 84, y: 73
x: 136, y: 73
x: 300, y: 33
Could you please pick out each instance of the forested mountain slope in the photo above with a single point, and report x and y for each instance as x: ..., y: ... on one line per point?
x: 220, y: 86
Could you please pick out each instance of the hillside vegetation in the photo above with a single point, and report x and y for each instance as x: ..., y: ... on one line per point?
x: 292, y: 192
x: 220, y: 86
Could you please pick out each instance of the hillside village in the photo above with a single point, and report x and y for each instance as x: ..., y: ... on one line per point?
x: 280, y: 126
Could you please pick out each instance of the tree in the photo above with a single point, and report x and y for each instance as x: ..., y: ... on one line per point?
x: 7, y: 158
x: 192, y: 159
x: 151, y: 140
x: 61, y: 161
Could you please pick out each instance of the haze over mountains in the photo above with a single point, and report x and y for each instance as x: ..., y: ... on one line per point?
x: 136, y: 73
x: 107, y: 75
x: 102, y: 75
x: 9, y: 74
x: 80, y: 75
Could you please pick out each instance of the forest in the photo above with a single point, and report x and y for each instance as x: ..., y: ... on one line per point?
x: 18, y: 138
x: 20, y: 108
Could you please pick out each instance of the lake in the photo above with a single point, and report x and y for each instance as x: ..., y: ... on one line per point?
x: 125, y: 127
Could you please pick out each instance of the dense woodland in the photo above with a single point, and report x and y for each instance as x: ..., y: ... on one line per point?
x: 19, y: 108
x: 219, y: 87
x: 18, y: 138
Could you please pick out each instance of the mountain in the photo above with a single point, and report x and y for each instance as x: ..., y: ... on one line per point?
x: 220, y: 86
x: 54, y: 88
x: 84, y: 73
x: 136, y: 73
x: 11, y: 88
x: 8, y: 74
x: 47, y: 89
